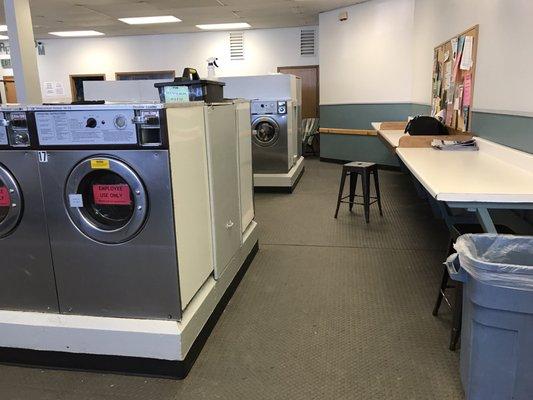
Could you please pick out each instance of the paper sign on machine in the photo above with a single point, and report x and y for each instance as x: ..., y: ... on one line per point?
x: 5, y: 199
x: 116, y: 195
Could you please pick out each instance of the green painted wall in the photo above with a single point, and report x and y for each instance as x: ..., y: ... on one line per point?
x: 359, y: 116
x: 509, y: 130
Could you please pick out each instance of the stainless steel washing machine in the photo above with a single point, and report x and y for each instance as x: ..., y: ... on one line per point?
x: 26, y: 273
x: 105, y: 176
x: 270, y: 139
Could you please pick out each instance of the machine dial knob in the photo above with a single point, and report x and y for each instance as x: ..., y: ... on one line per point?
x: 91, y: 123
x: 20, y: 139
x: 120, y: 121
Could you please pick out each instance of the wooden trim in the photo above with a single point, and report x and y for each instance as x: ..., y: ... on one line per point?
x: 299, y: 67
x: 118, y: 74
x: 393, y: 126
x: 421, y: 141
x: 71, y: 81
x: 475, y: 27
x: 341, y: 131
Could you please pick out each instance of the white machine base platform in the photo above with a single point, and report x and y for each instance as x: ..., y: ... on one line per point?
x: 133, y: 346
x: 280, y: 182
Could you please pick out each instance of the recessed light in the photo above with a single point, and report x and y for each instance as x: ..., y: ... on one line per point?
x: 76, y: 33
x: 3, y: 28
x: 233, y: 25
x: 162, y: 19
x: 4, y: 37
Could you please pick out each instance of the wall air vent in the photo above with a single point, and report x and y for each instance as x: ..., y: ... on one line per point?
x: 307, y: 42
x: 236, y: 46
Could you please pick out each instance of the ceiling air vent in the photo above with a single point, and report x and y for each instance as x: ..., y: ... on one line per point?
x: 236, y: 45
x: 307, y: 42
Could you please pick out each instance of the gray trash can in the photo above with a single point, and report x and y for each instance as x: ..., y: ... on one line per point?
x: 497, y: 325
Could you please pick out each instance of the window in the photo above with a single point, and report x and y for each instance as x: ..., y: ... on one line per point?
x: 76, y: 84
x: 133, y: 76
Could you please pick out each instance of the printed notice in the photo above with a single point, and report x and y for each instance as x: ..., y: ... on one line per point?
x: 75, y: 200
x: 176, y: 94
x: 3, y: 132
x: 467, y: 90
x: 447, y: 75
x: 115, y: 195
x: 466, y: 60
x: 99, y: 164
x: 5, y: 199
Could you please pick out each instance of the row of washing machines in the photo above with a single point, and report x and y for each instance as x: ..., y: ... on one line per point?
x: 121, y: 210
x: 275, y: 120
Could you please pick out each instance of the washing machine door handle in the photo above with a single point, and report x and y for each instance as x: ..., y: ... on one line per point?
x: 11, y: 202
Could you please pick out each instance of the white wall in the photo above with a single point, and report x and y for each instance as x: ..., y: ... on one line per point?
x: 504, y: 79
x: 368, y: 58
x: 265, y: 50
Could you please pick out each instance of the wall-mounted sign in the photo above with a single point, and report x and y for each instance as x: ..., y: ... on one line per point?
x: 4, y: 48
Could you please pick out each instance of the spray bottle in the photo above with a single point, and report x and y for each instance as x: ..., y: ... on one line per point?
x: 211, y: 65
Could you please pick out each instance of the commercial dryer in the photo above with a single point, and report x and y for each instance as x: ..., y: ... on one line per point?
x: 127, y: 198
x: 26, y: 272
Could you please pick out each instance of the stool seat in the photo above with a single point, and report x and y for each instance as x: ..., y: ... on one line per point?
x: 359, y: 164
x: 353, y: 170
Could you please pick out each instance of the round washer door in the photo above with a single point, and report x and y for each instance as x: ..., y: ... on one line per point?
x: 106, y: 200
x: 265, y: 131
x: 10, y: 202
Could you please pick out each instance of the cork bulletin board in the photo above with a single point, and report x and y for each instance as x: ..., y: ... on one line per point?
x: 454, y: 72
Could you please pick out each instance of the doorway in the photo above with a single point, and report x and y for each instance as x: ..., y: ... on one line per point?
x: 11, y: 91
x: 76, y: 84
x: 309, y: 75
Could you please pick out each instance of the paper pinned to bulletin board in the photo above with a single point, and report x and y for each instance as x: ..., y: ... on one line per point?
x: 454, y: 66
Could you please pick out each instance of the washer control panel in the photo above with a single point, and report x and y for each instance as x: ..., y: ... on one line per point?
x: 269, y: 107
x: 86, y: 127
x: 14, y: 129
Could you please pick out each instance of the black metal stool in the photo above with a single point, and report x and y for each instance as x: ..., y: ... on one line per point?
x: 354, y: 169
x: 457, y: 305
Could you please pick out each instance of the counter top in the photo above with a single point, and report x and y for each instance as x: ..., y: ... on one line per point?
x: 494, y: 174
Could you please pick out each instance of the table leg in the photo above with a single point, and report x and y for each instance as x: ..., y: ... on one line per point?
x: 485, y: 220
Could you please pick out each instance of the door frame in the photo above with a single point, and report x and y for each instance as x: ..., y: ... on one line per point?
x: 8, y: 79
x: 73, y: 85
x: 317, y: 67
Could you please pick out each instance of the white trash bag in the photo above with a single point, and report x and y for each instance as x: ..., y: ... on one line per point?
x: 498, y: 260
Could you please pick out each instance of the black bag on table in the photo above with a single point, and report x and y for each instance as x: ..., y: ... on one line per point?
x: 425, y: 125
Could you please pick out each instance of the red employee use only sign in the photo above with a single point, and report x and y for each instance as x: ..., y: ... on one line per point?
x: 115, y: 195
x: 5, y: 199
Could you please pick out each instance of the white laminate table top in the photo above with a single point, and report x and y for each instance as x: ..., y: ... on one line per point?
x: 473, y: 176
x: 391, y: 136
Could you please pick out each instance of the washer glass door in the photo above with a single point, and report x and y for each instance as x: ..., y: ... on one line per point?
x: 106, y: 200
x: 265, y: 131
x: 10, y: 202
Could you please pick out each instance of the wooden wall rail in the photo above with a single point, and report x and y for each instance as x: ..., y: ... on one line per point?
x: 341, y: 131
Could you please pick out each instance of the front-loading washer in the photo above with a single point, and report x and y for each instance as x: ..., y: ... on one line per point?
x: 112, y: 206
x: 270, y: 137
x: 26, y: 271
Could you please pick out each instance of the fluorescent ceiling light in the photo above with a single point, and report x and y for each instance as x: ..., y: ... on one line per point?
x: 76, y: 33
x: 3, y: 28
x: 4, y: 37
x: 234, y: 25
x: 162, y: 19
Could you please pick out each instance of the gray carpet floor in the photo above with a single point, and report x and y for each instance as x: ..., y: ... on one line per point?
x: 329, y: 309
